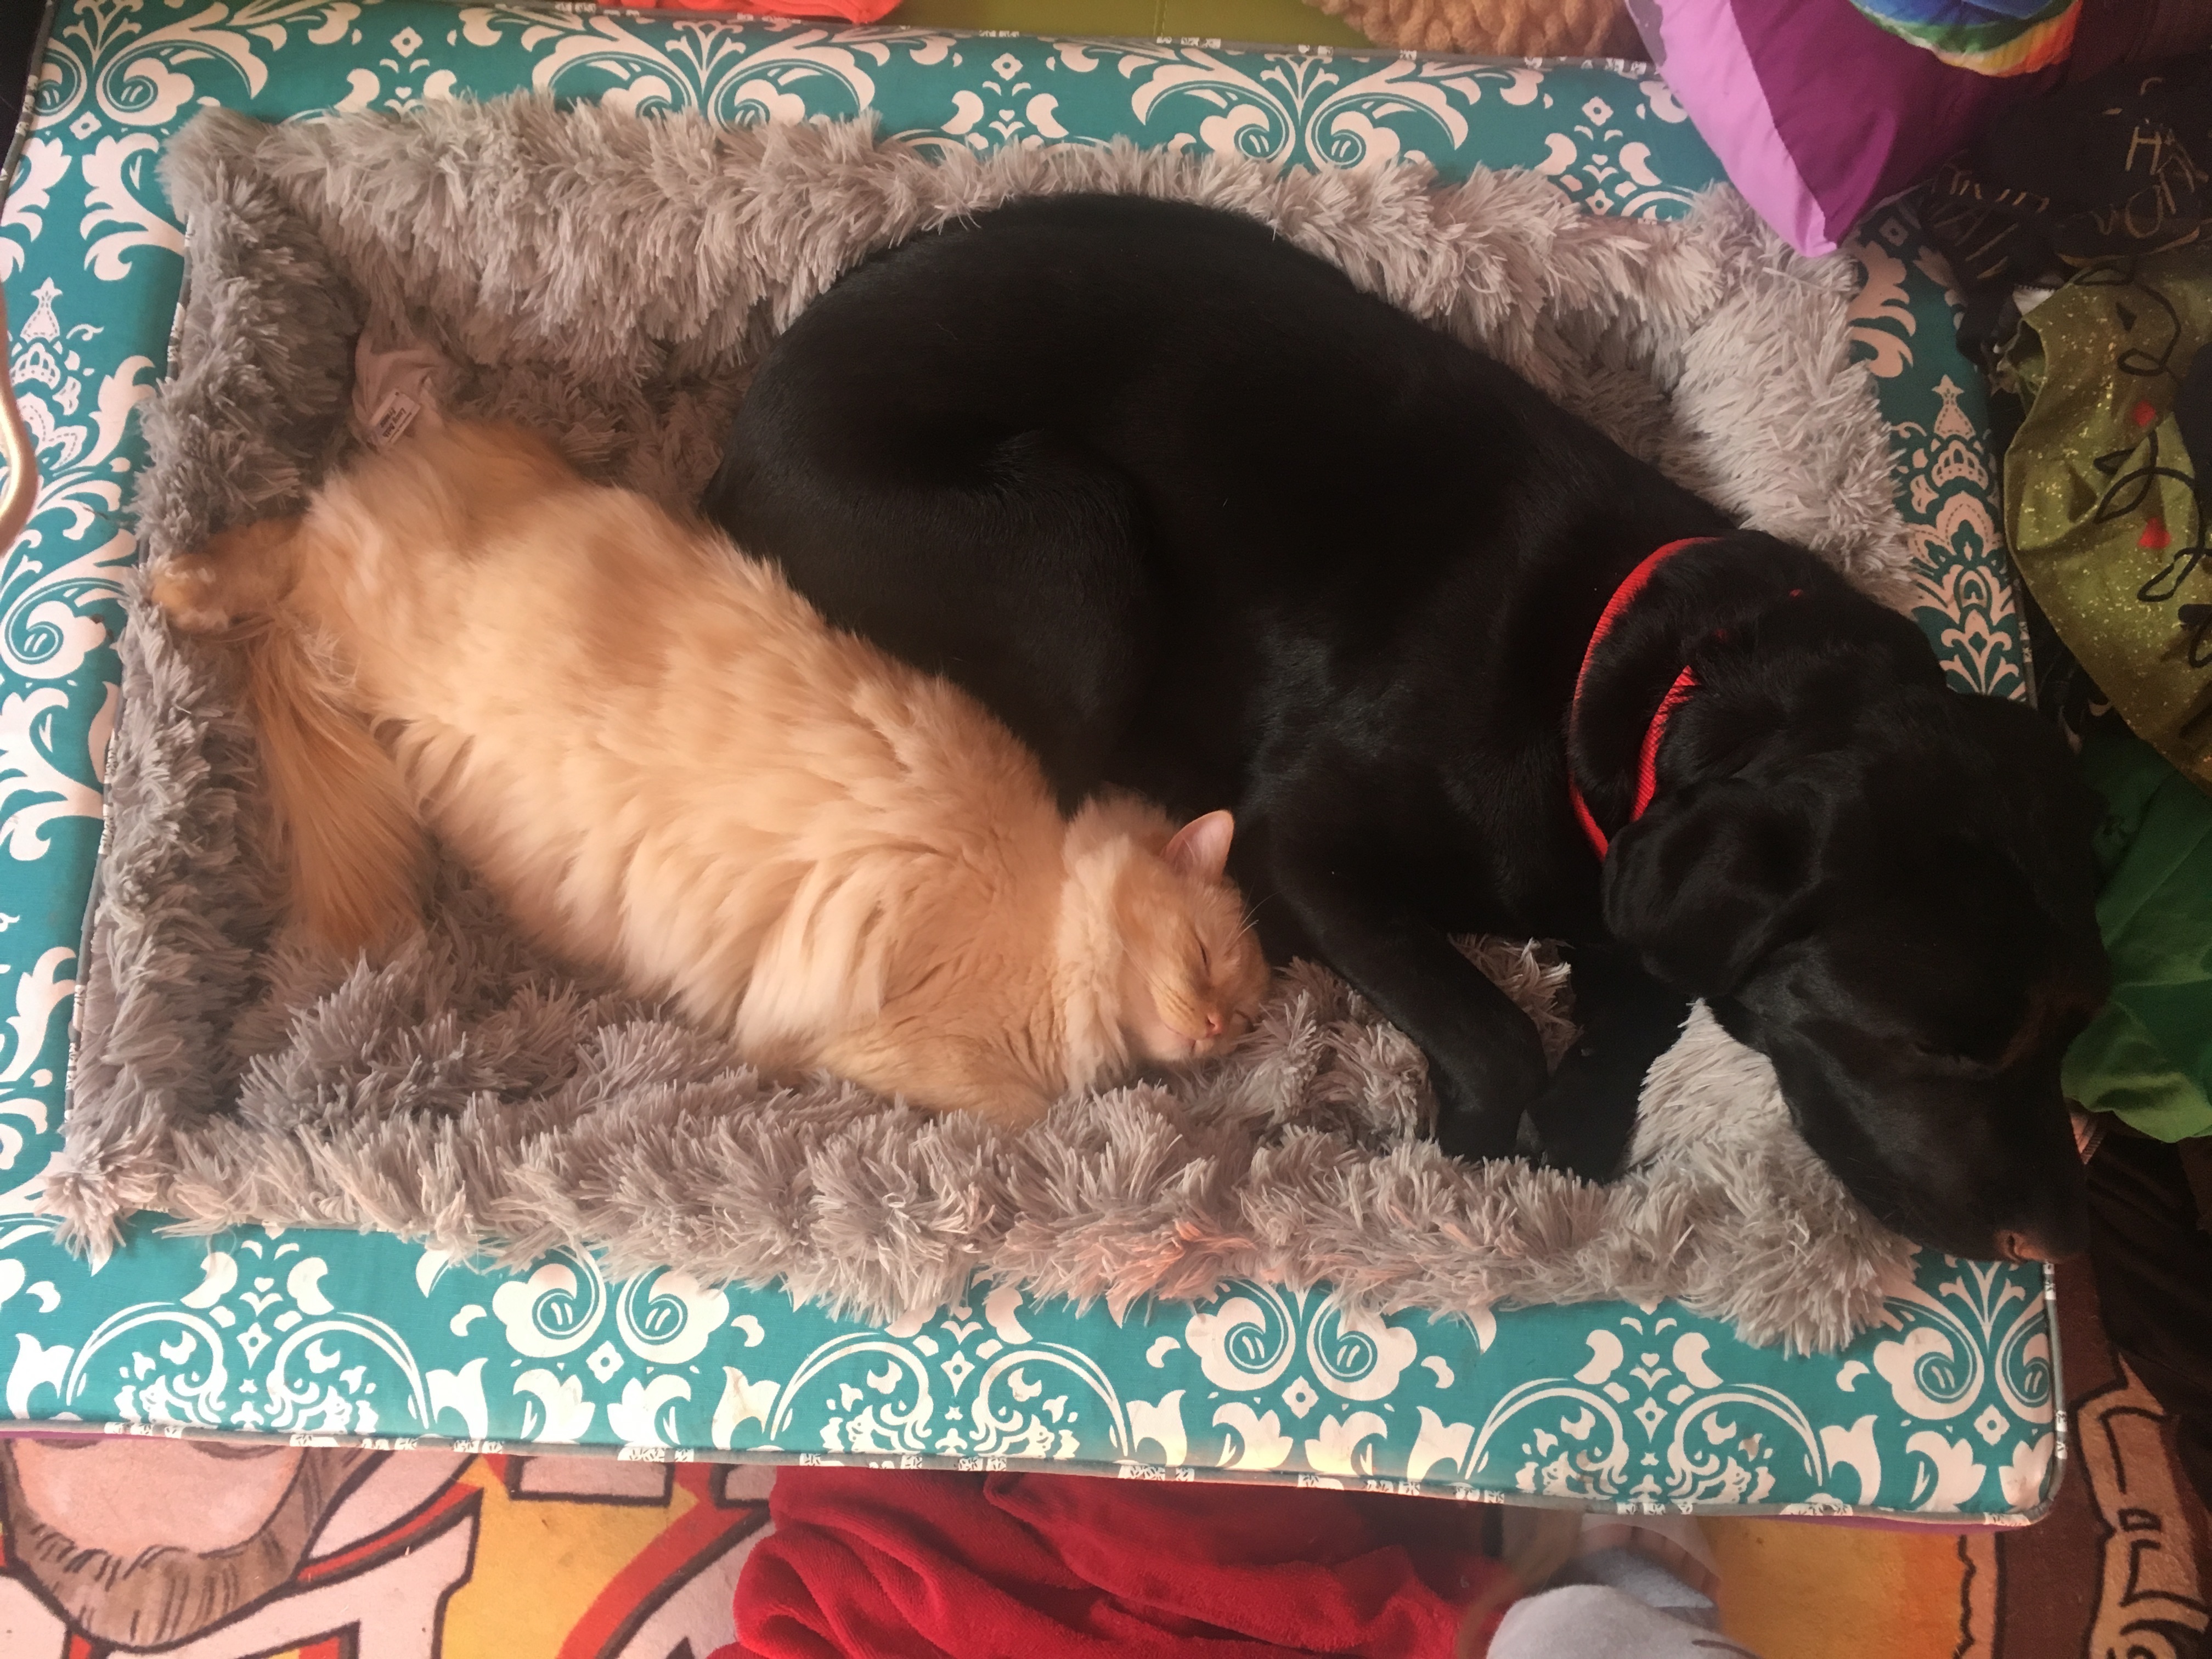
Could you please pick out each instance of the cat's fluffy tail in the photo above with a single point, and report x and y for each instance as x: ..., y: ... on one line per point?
x: 355, y: 852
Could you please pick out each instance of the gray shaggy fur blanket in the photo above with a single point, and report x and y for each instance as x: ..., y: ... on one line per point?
x: 611, y: 280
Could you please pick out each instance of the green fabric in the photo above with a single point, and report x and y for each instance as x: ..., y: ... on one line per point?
x: 2147, y: 1058
x: 2100, y: 504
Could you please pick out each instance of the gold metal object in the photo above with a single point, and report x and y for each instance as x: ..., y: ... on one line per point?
x: 21, y: 491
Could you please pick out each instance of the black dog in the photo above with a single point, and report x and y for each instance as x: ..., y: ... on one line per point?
x: 1194, y: 515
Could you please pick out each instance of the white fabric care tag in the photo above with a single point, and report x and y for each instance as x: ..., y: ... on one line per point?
x: 393, y: 416
x: 394, y: 390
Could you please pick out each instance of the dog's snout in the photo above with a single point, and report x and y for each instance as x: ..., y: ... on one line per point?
x: 2021, y: 1247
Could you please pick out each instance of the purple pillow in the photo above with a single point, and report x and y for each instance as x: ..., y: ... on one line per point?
x: 1817, y: 113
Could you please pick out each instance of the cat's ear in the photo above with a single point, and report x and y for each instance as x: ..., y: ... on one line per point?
x: 1200, y: 847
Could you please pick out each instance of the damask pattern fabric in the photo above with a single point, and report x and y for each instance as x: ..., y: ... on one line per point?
x: 2123, y: 1564
x: 511, y: 1556
x: 363, y: 1339
x: 472, y: 1095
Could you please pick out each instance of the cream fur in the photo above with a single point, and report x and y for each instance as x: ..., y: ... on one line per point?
x: 667, y: 765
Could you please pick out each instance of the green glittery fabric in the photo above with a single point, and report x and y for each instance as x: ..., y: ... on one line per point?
x: 2099, y: 502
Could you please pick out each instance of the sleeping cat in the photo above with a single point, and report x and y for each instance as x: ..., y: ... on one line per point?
x: 666, y: 763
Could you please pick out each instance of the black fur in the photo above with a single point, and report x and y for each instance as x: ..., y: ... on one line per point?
x: 1195, y: 516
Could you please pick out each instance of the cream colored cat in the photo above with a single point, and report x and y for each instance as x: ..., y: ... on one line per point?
x: 667, y: 765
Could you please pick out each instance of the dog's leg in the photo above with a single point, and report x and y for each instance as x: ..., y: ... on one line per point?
x: 1486, y: 1061
x: 1587, y: 1113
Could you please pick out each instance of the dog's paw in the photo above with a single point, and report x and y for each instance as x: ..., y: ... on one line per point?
x: 1585, y: 1116
x: 1474, y: 1135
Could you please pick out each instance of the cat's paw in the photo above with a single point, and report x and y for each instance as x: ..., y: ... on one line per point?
x: 189, y: 589
x: 237, y: 574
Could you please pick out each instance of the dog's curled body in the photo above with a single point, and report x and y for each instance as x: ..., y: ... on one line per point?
x: 1197, y: 516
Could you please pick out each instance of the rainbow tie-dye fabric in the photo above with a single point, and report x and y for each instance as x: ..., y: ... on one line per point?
x: 1989, y: 37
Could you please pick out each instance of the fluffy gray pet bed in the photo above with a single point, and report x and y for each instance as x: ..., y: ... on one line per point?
x: 611, y: 279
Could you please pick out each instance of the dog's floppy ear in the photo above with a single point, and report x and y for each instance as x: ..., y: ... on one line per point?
x: 2026, y: 799
x: 1706, y: 883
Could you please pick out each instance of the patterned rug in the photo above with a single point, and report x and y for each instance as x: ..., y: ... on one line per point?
x: 2120, y: 1569
x: 214, y: 1551
x: 2123, y: 1566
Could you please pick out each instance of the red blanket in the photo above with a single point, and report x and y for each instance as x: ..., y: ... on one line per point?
x: 872, y: 1564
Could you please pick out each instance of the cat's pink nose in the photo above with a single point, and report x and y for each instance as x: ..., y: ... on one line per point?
x: 1212, y: 1022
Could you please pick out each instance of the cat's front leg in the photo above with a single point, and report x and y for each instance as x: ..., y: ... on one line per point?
x: 354, y: 851
x: 239, y: 575
x: 913, y: 1059
x: 1004, y: 1103
x: 1486, y: 1061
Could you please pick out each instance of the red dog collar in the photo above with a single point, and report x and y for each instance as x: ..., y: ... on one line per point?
x: 1647, y: 759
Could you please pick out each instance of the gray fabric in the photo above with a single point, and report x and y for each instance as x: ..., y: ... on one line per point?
x: 611, y: 280
x: 1598, y: 1621
x: 1641, y: 1576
